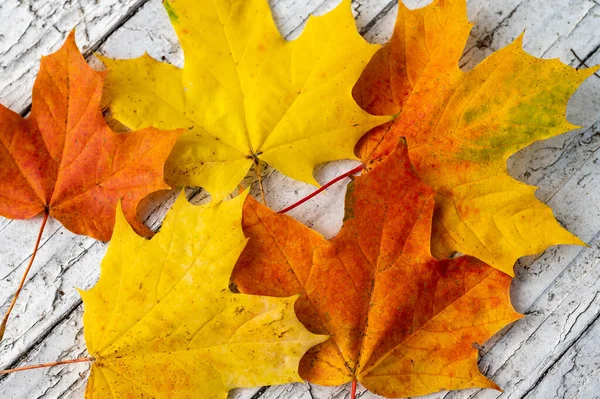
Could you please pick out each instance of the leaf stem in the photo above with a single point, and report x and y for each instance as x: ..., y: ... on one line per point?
x: 322, y: 188
x: 14, y: 300
x: 353, y: 391
x: 39, y: 366
x: 259, y: 177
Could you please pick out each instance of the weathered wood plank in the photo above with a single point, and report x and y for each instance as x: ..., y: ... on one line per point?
x: 577, y: 373
x: 555, y: 165
x: 64, y: 342
x: 31, y: 29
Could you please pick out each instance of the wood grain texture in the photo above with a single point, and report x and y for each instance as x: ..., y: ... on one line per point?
x: 552, y: 353
x: 31, y: 29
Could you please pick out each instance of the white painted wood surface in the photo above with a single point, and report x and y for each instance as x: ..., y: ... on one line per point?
x: 553, y: 353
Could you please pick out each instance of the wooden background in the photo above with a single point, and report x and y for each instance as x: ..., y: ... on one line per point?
x: 554, y: 352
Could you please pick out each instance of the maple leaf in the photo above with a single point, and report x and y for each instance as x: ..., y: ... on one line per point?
x: 64, y: 160
x: 162, y: 323
x: 248, y: 93
x: 402, y: 323
x: 461, y: 127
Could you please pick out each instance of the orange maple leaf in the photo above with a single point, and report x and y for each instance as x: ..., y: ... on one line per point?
x: 402, y: 323
x: 65, y: 161
x: 461, y: 127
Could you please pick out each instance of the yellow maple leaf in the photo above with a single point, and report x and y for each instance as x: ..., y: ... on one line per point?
x: 248, y: 94
x: 162, y: 323
x: 461, y: 127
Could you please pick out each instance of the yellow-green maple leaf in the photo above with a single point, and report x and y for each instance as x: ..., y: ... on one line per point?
x: 461, y: 127
x: 248, y: 94
x: 162, y: 323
